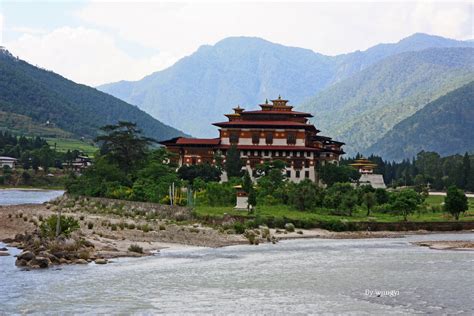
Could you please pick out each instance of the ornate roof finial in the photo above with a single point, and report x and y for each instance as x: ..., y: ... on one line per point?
x: 266, y: 101
x: 279, y: 97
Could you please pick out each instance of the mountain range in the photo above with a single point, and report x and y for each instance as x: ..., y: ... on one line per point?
x: 356, y: 98
x: 35, y: 101
x: 445, y: 125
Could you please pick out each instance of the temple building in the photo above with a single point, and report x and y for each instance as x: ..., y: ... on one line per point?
x: 275, y: 132
x: 367, y: 175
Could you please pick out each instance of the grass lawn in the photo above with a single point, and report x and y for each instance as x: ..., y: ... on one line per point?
x: 280, y: 211
x: 65, y: 144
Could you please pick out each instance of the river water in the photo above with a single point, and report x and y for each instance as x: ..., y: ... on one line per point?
x: 292, y: 277
x: 19, y: 196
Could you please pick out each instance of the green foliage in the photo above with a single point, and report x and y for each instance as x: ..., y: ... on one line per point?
x: 220, y: 194
x: 205, y: 171
x: 406, y: 202
x: 305, y: 195
x: 332, y: 173
x: 233, y: 164
x: 455, y: 202
x: 67, y: 226
x: 370, y: 200
x: 45, y: 96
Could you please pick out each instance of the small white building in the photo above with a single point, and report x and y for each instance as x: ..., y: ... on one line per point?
x: 7, y: 161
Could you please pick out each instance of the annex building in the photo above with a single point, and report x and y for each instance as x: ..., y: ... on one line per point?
x: 273, y: 132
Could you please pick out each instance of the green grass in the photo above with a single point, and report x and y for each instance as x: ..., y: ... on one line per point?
x: 65, y: 144
x: 280, y: 211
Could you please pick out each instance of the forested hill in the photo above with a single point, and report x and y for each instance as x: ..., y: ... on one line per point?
x: 445, y: 125
x: 362, y: 108
x: 246, y: 71
x: 45, y: 96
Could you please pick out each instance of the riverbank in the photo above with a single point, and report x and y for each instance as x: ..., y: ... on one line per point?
x: 111, y: 233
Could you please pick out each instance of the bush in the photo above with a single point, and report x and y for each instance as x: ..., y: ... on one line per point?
x: 239, y: 228
x: 81, y: 217
x: 289, y: 227
x: 162, y: 227
x: 135, y: 248
x: 67, y: 226
x: 131, y: 226
x: 90, y: 225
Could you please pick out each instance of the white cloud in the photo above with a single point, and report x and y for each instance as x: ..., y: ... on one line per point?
x: 330, y: 28
x: 85, y: 55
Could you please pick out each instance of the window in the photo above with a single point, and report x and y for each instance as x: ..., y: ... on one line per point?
x: 234, y: 137
x: 288, y: 173
x: 255, y: 138
x: 291, y: 138
x: 266, y: 152
x: 306, y: 174
x: 297, y: 173
x: 306, y: 163
x: 193, y: 160
x: 269, y: 138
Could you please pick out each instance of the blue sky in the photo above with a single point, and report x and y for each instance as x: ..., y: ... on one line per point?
x: 95, y: 42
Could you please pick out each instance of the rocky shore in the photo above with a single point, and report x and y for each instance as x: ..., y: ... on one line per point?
x: 447, y: 245
x: 113, y: 228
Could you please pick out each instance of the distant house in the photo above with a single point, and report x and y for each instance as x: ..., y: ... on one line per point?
x: 7, y: 161
x: 78, y: 164
x: 367, y: 175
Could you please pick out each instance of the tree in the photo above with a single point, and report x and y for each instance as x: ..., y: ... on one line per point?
x: 246, y: 182
x: 331, y: 173
x: 406, y: 202
x: 349, y: 202
x: 233, y: 164
x: 369, y: 200
x: 124, y: 145
x: 455, y: 202
x: 204, y: 171
x: 304, y: 195
x: 381, y: 195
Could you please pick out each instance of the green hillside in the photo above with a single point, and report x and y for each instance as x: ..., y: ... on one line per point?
x: 361, y: 109
x: 445, y: 125
x: 51, y: 100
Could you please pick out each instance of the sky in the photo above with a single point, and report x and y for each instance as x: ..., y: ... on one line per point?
x: 96, y: 42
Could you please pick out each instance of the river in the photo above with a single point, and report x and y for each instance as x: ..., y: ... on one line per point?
x: 292, y: 277
x: 27, y: 196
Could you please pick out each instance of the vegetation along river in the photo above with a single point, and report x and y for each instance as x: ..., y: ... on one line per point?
x: 381, y: 276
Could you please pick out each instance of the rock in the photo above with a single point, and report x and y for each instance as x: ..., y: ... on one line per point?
x: 7, y: 240
x: 26, y: 255
x: 4, y: 254
x: 41, y: 262
x: 101, y: 261
x: 21, y: 262
x: 63, y: 261
x: 3, y: 249
x: 289, y: 227
x: 81, y: 261
x: 19, y: 237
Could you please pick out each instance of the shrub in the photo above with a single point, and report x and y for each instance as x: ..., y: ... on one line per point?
x: 40, y: 218
x: 131, y: 226
x: 239, y: 228
x: 113, y: 227
x: 135, y: 248
x: 81, y: 217
x: 289, y: 227
x: 145, y: 228
x: 162, y: 227
x: 90, y: 225
x: 67, y: 226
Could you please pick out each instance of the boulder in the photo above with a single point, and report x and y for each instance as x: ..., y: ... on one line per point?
x: 41, y: 262
x: 81, y: 261
x: 26, y: 255
x: 100, y: 261
x: 3, y: 249
x: 4, y: 254
x: 21, y: 262
x: 63, y: 261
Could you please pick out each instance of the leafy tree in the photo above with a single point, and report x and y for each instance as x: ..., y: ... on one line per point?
x: 247, y: 182
x: 304, y: 195
x: 204, y: 171
x: 233, y: 164
x: 455, y: 202
x: 406, y: 202
x: 332, y: 173
x: 252, y: 197
x: 349, y: 202
x: 381, y: 196
x: 369, y: 200
x: 123, y: 144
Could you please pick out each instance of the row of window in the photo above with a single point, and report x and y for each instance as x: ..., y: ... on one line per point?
x: 297, y: 174
x: 290, y: 138
x: 275, y: 153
